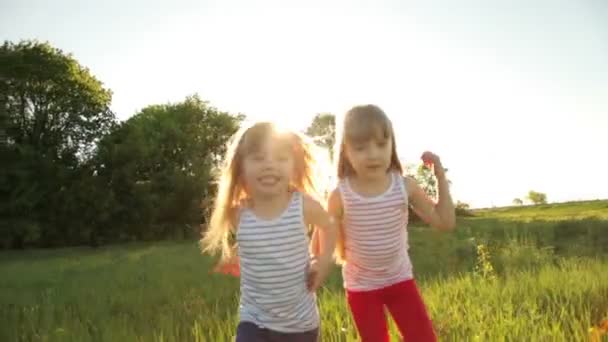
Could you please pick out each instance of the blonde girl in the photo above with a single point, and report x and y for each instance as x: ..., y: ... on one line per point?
x: 265, y: 202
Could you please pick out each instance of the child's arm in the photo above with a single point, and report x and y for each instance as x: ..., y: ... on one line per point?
x: 335, y: 210
x: 325, y: 227
x: 314, y: 243
x: 442, y: 214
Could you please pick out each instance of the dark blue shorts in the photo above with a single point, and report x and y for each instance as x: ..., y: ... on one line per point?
x: 249, y: 332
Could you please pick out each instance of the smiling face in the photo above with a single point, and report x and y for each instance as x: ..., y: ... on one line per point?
x: 268, y: 167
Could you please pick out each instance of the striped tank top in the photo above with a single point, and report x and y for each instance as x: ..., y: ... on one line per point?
x: 376, y: 238
x: 274, y: 263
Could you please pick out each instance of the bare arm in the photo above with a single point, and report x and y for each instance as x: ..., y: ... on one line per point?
x: 336, y: 210
x: 440, y: 215
x: 314, y: 243
x: 325, y: 232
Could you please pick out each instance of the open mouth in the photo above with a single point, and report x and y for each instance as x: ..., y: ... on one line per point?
x: 269, y: 180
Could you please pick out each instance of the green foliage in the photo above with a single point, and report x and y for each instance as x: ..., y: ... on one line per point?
x: 537, y: 197
x: 54, y: 105
x: 76, y: 176
x: 484, y: 268
x: 597, y: 209
x: 158, y: 166
x: 116, y: 293
x: 323, y: 130
x: 540, y: 290
x: 425, y: 177
x: 463, y: 209
x: 54, y: 112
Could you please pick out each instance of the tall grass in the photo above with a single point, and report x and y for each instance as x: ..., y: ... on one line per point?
x: 163, y: 293
x: 548, y: 282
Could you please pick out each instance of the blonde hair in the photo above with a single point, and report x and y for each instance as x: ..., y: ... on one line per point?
x: 220, y: 234
x: 360, y: 124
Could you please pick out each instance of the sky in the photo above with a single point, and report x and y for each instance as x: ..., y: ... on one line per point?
x: 512, y: 95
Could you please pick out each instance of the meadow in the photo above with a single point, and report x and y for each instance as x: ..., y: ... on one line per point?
x: 537, y: 273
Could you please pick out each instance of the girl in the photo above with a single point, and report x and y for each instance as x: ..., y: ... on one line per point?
x: 372, y: 200
x: 261, y: 213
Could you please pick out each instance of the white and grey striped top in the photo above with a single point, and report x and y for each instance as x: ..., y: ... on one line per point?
x: 274, y: 262
x: 376, y: 238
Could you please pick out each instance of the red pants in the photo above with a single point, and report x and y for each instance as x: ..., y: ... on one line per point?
x: 405, y: 305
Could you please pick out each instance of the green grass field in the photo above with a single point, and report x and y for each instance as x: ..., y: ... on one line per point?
x: 550, y: 212
x: 541, y: 274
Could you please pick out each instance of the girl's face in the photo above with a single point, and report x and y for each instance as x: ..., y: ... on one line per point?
x: 268, y: 170
x: 370, y: 158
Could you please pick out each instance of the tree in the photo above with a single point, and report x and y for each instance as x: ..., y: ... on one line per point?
x: 426, y: 178
x: 323, y: 131
x: 54, y: 112
x: 159, y: 166
x: 518, y: 201
x: 537, y: 197
x: 463, y: 209
x: 71, y: 174
x: 54, y: 105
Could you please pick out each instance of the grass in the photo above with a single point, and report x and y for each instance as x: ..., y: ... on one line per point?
x: 545, y: 280
x: 597, y: 209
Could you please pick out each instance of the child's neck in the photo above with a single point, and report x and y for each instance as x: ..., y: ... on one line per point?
x: 270, y: 207
x: 370, y: 186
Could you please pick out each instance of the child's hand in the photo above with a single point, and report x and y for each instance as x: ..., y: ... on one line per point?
x: 229, y: 268
x: 319, y: 270
x: 432, y: 161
